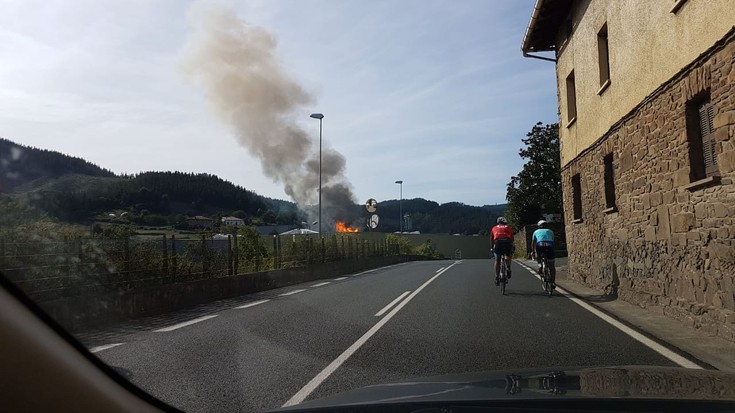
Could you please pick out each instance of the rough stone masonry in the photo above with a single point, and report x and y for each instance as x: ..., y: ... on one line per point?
x: 667, y: 245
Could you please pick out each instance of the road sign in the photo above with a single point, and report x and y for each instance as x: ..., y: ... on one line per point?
x: 373, y: 223
x: 371, y: 205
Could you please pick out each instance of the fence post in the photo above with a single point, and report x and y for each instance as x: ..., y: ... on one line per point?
x: 229, y: 255
x: 236, y: 257
x: 279, y: 255
x: 275, y: 251
x: 324, y: 249
x: 165, y: 256
x: 174, y: 261
x: 205, y: 263
x: 126, y: 254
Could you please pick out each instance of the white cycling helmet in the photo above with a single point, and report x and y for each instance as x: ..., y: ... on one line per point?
x: 501, y: 220
x: 542, y: 223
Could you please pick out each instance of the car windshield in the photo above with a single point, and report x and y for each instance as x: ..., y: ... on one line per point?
x: 242, y: 206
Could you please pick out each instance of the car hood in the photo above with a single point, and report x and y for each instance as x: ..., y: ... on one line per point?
x: 632, y: 382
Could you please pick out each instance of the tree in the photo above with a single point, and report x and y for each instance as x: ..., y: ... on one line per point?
x: 537, y: 188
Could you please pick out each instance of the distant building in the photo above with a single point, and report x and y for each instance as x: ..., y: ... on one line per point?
x: 233, y: 221
x: 646, y: 93
x: 200, y: 222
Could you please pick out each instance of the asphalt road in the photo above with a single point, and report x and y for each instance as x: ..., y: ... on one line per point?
x: 327, y: 338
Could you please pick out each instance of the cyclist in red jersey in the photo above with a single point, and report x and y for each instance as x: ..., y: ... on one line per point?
x: 501, y: 238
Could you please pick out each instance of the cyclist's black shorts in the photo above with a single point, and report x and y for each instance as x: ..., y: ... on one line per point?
x: 502, y: 247
x: 545, y: 249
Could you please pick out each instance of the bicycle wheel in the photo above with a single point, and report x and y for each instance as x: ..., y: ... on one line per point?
x: 503, y: 276
x: 548, y: 286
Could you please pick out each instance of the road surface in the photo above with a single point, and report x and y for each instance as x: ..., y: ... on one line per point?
x: 307, y: 341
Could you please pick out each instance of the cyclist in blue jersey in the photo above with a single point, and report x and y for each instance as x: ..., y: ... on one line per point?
x: 542, y: 245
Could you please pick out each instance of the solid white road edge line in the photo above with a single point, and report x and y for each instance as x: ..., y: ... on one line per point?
x: 334, y: 365
x: 391, y: 304
x: 340, y: 278
x: 321, y: 284
x: 676, y: 358
x: 184, y: 324
x: 105, y: 347
x: 253, y: 304
x: 291, y: 293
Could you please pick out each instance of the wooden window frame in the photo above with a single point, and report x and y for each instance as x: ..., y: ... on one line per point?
x: 700, y: 113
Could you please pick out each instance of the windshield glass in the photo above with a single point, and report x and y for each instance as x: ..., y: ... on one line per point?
x: 240, y: 206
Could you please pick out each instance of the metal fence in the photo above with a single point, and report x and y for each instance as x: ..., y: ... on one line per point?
x: 48, y: 269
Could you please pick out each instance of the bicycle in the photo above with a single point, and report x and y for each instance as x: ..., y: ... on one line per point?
x: 546, y: 277
x: 503, y: 280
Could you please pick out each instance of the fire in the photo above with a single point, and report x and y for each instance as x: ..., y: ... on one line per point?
x: 342, y: 227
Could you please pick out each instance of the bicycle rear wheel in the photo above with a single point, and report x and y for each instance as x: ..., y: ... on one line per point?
x: 548, y: 286
x: 503, y: 276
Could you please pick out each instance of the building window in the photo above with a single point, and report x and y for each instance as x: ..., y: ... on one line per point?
x: 577, y: 197
x: 609, y: 183
x: 603, y: 59
x: 571, y: 100
x: 700, y: 116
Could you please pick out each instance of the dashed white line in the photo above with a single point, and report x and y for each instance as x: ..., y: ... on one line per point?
x: 440, y: 269
x: 340, y: 278
x: 321, y: 284
x: 391, y: 304
x: 682, y: 361
x: 184, y: 324
x: 253, y: 304
x: 334, y: 365
x: 292, y: 292
x: 105, y: 347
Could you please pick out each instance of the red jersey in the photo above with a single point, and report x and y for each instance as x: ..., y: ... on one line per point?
x: 501, y: 231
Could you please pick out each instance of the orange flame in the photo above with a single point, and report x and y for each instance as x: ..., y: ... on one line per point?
x: 342, y: 227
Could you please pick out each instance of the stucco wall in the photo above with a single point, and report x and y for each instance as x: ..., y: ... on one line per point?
x: 647, y: 46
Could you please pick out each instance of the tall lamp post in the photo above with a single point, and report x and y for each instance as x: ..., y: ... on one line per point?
x: 320, y: 117
x: 400, y: 208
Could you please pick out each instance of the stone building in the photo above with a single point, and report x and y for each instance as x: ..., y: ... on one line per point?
x: 646, y: 93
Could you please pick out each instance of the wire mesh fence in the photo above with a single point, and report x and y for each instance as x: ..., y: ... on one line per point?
x: 48, y: 269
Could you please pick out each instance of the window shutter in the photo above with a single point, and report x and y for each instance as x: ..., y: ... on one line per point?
x: 706, y: 122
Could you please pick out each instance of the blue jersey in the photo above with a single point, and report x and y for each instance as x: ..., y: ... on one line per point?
x: 543, y: 235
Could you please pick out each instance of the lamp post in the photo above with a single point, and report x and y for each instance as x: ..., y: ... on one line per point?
x: 320, y: 117
x: 400, y: 207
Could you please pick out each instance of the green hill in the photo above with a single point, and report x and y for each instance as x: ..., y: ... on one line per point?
x: 73, y: 190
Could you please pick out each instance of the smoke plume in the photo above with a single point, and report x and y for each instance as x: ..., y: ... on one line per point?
x: 236, y: 65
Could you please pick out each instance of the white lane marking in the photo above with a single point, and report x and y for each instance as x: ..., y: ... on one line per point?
x: 105, y: 347
x: 378, y: 269
x: 334, y: 365
x: 391, y: 304
x: 440, y: 269
x: 291, y: 293
x: 184, y: 324
x: 340, y: 278
x: 321, y: 284
x: 253, y: 304
x: 682, y: 361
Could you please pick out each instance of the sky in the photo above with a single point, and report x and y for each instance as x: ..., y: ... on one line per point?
x: 433, y: 93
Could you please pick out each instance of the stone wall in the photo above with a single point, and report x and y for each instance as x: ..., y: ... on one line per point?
x: 668, y: 246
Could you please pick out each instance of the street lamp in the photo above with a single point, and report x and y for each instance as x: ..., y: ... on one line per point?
x: 320, y: 117
x: 400, y: 208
